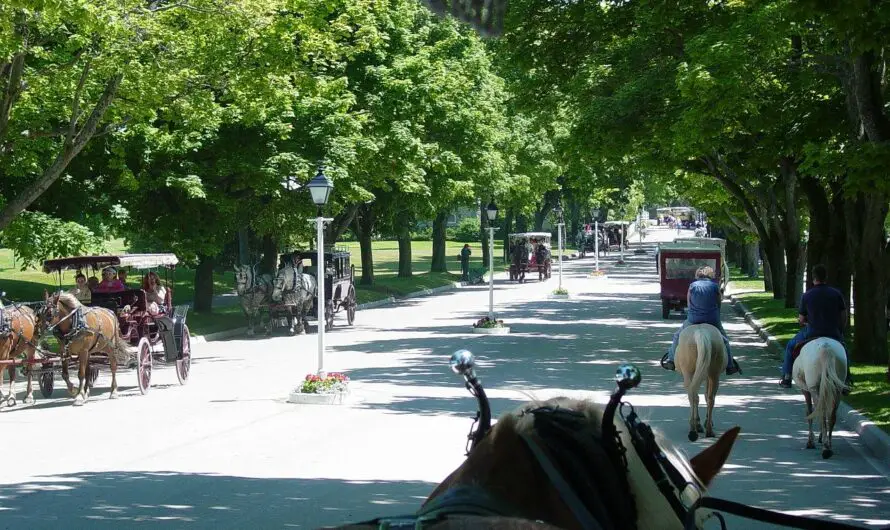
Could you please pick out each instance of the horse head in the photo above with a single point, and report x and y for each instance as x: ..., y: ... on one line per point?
x: 600, y: 469
x: 284, y: 282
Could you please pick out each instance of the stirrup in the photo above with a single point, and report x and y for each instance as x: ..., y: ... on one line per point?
x: 667, y: 364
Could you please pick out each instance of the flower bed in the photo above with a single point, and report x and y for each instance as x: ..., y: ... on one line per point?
x: 332, y: 383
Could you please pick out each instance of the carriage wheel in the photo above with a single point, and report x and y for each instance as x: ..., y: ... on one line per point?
x: 184, y: 364
x: 350, y: 306
x: 94, y: 374
x: 143, y: 365
x: 46, y: 380
x: 328, y: 315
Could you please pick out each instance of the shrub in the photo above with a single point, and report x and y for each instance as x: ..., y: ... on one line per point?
x: 466, y: 231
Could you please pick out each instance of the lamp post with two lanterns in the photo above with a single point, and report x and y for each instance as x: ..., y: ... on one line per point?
x: 320, y: 188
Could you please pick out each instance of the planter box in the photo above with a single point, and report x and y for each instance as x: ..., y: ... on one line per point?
x: 504, y: 330
x: 335, y: 398
x: 555, y: 296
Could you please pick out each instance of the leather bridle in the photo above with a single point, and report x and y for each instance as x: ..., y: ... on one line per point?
x: 590, y: 512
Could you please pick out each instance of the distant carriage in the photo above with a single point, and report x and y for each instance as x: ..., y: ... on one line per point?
x: 530, y: 252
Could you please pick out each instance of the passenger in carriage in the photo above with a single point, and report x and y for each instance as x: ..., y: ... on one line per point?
x: 122, y: 276
x: 109, y: 283
x: 155, y: 294
x: 81, y: 291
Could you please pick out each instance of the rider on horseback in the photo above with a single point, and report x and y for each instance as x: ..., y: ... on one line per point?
x: 823, y: 313
x: 704, y: 308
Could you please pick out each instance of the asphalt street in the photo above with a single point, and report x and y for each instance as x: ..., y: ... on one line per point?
x: 226, y: 450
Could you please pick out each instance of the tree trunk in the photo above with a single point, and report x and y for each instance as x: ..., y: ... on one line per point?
x: 364, y: 228
x: 775, y: 255
x: 547, y: 204
x: 865, y: 235
x: 791, y: 233
x: 752, y: 257
x: 505, y: 232
x: 405, y: 253
x: 439, y: 263
x: 767, y: 272
x: 483, y: 227
x: 73, y: 144
x: 521, y: 223
x: 243, y: 246
x: 204, y: 284
x: 335, y: 229
x: 269, y: 263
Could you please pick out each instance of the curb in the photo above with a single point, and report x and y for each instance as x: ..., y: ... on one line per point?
x: 877, y: 441
x: 210, y: 337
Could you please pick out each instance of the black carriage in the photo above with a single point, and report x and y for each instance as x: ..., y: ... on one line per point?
x: 162, y: 336
x: 339, y: 283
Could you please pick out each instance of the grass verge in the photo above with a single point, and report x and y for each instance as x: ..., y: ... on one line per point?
x: 871, y: 393
x: 28, y: 285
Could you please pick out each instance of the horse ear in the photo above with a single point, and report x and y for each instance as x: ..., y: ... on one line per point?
x: 709, y: 462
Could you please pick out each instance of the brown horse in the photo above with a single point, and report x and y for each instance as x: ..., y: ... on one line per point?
x: 547, y: 465
x: 18, y: 336
x: 701, y: 354
x: 82, y: 332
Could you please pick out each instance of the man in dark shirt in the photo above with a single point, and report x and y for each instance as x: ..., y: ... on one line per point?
x: 822, y: 313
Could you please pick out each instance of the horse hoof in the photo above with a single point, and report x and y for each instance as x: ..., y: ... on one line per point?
x: 710, y: 434
x: 250, y: 333
x: 811, y: 445
x: 693, y: 436
x: 78, y: 402
x: 826, y: 453
x: 113, y: 395
x: 699, y: 429
x: 29, y: 400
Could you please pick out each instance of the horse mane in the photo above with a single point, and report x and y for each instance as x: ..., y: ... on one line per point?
x: 631, y: 497
x: 68, y: 301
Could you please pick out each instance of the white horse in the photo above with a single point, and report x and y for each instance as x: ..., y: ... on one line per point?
x: 255, y: 292
x: 819, y: 371
x: 296, y: 291
x: 701, y: 354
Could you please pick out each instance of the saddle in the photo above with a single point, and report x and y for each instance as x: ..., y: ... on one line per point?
x: 795, y: 353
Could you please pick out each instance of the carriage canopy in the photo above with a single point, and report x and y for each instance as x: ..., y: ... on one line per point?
x: 136, y: 261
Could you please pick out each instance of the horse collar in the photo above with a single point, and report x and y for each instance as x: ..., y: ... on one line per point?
x: 456, y: 501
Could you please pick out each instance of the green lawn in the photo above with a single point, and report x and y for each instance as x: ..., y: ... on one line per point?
x: 871, y: 393
x: 29, y: 285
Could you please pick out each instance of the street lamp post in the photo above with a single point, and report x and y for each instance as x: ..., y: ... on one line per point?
x: 595, y: 213
x: 559, y: 226
x: 621, y: 243
x: 492, y: 212
x: 320, y: 188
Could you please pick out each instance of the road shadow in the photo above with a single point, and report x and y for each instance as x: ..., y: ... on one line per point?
x: 175, y: 500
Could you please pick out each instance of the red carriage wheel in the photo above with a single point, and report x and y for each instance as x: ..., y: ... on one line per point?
x: 184, y: 364
x: 143, y: 365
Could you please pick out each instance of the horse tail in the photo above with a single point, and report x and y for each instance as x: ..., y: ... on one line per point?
x: 830, y: 385
x: 704, y: 351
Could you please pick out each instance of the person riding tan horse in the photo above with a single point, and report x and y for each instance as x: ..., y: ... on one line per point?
x: 704, y: 308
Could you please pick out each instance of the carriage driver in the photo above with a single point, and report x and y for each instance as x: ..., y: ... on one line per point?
x: 704, y: 308
x: 822, y: 313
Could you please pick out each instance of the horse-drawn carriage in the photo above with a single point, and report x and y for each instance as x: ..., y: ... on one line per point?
x: 111, y: 328
x: 677, y: 263
x: 616, y: 234
x: 339, y: 283
x: 530, y: 252
x: 587, y: 241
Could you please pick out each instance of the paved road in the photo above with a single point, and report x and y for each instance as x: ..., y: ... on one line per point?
x: 226, y: 451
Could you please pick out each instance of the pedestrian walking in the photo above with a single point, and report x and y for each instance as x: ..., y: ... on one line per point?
x: 465, y: 254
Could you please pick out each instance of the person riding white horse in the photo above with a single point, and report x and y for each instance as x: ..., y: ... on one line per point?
x: 704, y: 308
x: 822, y: 313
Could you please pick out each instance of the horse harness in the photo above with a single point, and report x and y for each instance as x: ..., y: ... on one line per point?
x: 562, y: 428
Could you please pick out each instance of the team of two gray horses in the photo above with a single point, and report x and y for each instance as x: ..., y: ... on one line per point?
x: 291, y: 291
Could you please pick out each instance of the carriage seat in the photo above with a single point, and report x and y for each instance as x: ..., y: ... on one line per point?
x: 135, y: 298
